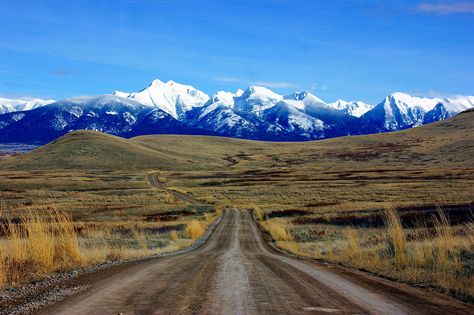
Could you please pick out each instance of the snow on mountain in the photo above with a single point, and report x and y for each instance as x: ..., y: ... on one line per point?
x: 16, y: 105
x: 220, y: 115
x: 256, y: 99
x: 289, y: 115
x: 111, y: 114
x: 400, y: 110
x: 308, y: 103
x: 305, y: 97
x: 354, y: 108
x: 254, y: 113
x: 106, y: 113
x: 221, y: 98
x: 307, y: 115
x: 171, y: 97
x: 260, y: 113
x: 449, y: 107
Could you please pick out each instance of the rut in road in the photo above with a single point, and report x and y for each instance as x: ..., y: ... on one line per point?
x: 236, y: 272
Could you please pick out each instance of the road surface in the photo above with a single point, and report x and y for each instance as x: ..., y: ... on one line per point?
x: 236, y: 272
x: 155, y: 182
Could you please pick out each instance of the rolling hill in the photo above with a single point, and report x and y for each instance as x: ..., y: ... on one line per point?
x: 449, y: 143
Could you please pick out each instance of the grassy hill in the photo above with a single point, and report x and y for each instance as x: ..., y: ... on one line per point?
x: 447, y: 143
x: 91, y: 150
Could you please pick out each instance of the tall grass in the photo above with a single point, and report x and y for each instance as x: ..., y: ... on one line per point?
x: 395, y: 236
x: 40, y: 243
x: 173, y: 235
x: 445, y: 242
x: 194, y: 229
x: 433, y: 252
x: 3, y: 267
x: 278, y: 230
x: 258, y: 213
x: 43, y: 241
x: 352, y: 249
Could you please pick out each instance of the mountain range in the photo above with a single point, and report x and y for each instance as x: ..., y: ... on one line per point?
x: 15, y: 105
x: 254, y: 113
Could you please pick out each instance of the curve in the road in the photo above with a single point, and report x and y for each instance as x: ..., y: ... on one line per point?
x: 155, y: 182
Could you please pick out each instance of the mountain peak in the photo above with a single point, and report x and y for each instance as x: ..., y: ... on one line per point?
x: 304, y: 96
x: 15, y: 105
x: 399, y: 95
x: 298, y: 96
x: 157, y: 82
x: 173, y: 98
x: 353, y: 108
x: 260, y: 90
x: 405, y: 101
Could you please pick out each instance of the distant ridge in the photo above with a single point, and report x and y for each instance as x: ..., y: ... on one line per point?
x: 254, y: 113
x: 91, y: 150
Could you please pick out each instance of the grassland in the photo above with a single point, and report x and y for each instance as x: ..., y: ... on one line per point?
x: 322, y: 199
x: 103, y: 215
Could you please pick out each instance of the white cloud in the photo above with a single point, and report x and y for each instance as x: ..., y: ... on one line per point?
x: 277, y: 85
x: 318, y: 87
x: 447, y: 8
x: 434, y: 94
x: 228, y: 79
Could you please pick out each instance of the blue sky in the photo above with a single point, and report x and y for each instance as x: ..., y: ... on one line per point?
x: 335, y: 49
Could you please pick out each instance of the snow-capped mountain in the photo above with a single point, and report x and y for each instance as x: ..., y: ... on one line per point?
x: 171, y: 97
x: 220, y: 115
x: 354, y: 108
x: 254, y: 113
x: 106, y: 113
x: 256, y: 99
x: 400, y: 111
x: 16, y: 105
x: 258, y: 113
x: 289, y: 116
x: 449, y: 107
x: 297, y: 113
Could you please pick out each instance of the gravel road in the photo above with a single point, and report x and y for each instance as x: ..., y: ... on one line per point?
x: 236, y: 272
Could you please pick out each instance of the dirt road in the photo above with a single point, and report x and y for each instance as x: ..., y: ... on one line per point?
x: 155, y: 182
x: 236, y: 272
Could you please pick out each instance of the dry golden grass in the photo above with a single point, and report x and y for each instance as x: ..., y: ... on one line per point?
x: 173, y: 235
x: 3, y: 267
x: 352, y: 250
x: 39, y: 244
x: 259, y: 215
x: 395, y: 236
x: 434, y: 253
x: 278, y: 230
x: 194, y: 229
x: 289, y: 246
x: 41, y: 241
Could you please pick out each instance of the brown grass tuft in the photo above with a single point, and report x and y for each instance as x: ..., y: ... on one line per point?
x: 395, y: 236
x: 278, y: 230
x: 194, y: 229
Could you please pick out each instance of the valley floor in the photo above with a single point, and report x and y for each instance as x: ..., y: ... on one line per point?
x: 397, y: 205
x: 235, y: 271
